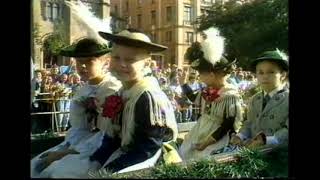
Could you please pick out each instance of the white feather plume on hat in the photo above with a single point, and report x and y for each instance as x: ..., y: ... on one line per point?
x: 213, y: 45
x: 92, y: 23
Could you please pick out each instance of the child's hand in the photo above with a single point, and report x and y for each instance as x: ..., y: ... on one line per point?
x: 235, y: 140
x: 50, y: 157
x: 202, y: 146
x: 254, y: 143
x: 257, y: 141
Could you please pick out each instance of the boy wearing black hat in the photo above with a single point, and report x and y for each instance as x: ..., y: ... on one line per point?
x: 88, y: 126
x: 268, y: 111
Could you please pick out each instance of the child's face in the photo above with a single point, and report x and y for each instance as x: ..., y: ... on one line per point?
x: 128, y: 62
x: 269, y: 75
x: 93, y: 65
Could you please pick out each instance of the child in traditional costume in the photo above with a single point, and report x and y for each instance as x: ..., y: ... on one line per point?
x: 219, y: 103
x: 268, y: 110
x: 141, y: 109
x: 87, y: 124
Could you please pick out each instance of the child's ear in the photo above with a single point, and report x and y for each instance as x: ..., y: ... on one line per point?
x: 284, y: 76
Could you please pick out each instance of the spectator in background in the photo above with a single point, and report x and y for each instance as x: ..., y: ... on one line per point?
x: 64, y: 103
x: 43, y: 122
x: 83, y: 72
x: 174, y: 68
x: 233, y: 79
x: 175, y: 84
x: 191, y: 90
x: 55, y: 73
x: 147, y: 70
x: 154, y: 68
x: 76, y: 83
x: 71, y: 69
x: 36, y: 86
x: 252, y: 83
x: 36, y: 105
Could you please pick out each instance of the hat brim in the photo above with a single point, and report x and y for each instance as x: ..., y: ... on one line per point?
x: 280, y: 62
x: 152, y: 47
x: 225, y: 65
x: 69, y: 51
x: 206, y: 66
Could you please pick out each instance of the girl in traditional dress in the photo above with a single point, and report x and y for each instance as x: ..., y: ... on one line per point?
x: 219, y: 103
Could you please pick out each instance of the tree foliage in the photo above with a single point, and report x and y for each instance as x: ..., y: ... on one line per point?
x: 57, y: 40
x: 250, y: 28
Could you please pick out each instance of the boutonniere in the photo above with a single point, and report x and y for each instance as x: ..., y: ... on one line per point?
x: 112, y: 106
x: 90, y: 105
x: 210, y: 94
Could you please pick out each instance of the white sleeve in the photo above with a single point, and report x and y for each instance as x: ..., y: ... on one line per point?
x: 272, y: 140
x: 242, y: 136
x: 75, y: 135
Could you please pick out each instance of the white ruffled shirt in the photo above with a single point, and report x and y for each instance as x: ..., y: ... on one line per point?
x: 79, y: 136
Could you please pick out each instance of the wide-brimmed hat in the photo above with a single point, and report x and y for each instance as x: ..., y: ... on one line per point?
x: 276, y: 56
x: 208, y: 55
x: 198, y: 61
x: 85, y: 48
x: 133, y: 38
x: 202, y: 63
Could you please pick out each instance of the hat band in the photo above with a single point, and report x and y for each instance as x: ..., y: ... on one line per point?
x: 134, y: 35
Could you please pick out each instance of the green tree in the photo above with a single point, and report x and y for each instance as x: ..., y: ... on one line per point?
x: 250, y: 28
x: 57, y: 40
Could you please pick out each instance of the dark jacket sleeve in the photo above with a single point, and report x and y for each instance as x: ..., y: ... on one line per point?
x: 108, y: 146
x: 227, y: 125
x: 147, y: 139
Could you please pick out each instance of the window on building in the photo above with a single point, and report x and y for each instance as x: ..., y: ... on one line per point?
x: 187, y: 16
x: 49, y: 11
x: 116, y: 9
x: 219, y: 1
x: 169, y: 13
x: 139, y: 21
x: 139, y: 3
x: 189, y: 37
x: 207, y: 1
x: 153, y: 37
x: 153, y: 17
x: 55, y: 11
x: 169, y: 36
x: 127, y: 5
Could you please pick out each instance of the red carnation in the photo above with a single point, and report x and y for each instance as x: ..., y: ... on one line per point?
x: 112, y: 106
x: 210, y: 94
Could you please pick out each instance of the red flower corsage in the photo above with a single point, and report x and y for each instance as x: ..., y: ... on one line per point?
x: 210, y: 94
x: 112, y: 106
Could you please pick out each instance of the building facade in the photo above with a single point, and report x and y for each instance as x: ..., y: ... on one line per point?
x: 167, y: 22
x: 50, y: 17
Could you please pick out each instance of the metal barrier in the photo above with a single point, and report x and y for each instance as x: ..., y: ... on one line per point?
x: 54, y: 112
